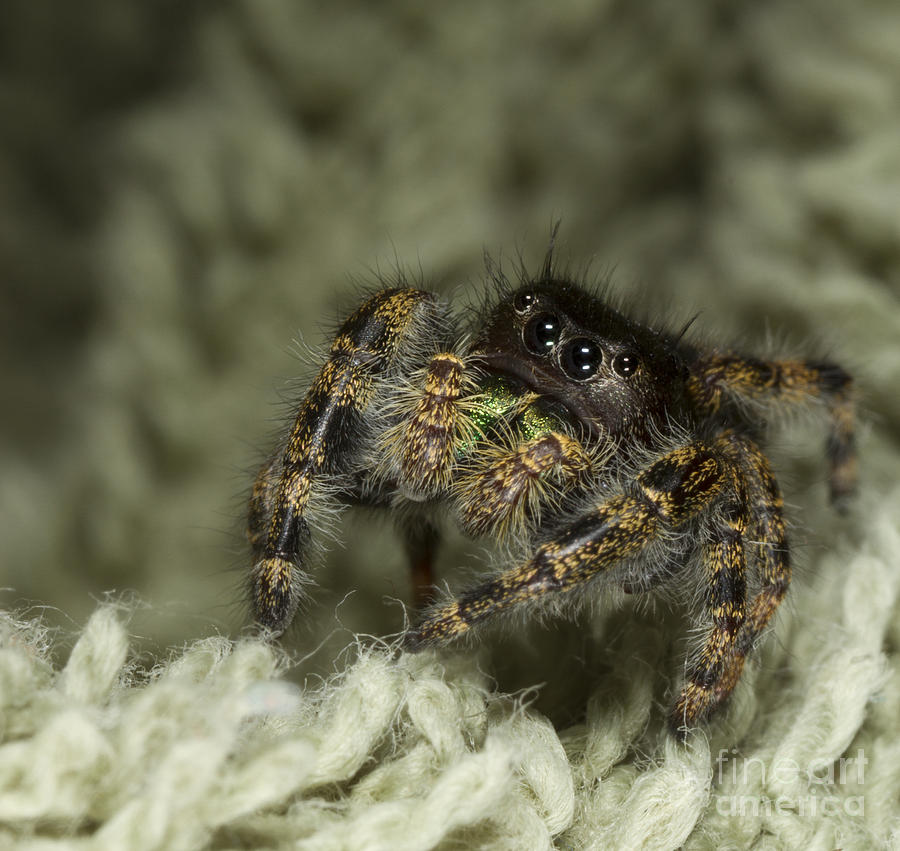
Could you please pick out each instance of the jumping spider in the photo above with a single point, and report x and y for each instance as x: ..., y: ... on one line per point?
x: 596, y: 448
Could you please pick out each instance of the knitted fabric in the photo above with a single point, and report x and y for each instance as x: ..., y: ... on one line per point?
x: 188, y: 186
x: 215, y: 749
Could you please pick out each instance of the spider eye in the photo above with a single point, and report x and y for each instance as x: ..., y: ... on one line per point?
x: 541, y: 334
x: 581, y: 358
x: 523, y: 302
x: 625, y: 364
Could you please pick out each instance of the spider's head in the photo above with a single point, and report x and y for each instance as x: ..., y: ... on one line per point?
x: 614, y: 375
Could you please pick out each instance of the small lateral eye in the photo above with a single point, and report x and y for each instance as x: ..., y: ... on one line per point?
x: 541, y: 334
x: 625, y: 364
x: 581, y: 358
x: 523, y: 302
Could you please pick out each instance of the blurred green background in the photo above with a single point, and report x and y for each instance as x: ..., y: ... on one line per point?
x: 188, y: 188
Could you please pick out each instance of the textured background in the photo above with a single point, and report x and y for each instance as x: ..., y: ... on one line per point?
x: 186, y: 188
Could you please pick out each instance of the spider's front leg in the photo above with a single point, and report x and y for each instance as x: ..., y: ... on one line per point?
x: 666, y: 495
x: 418, y: 454
x: 427, y: 437
x: 676, y: 488
x: 329, y: 442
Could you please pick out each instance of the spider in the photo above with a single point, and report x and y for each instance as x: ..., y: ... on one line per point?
x: 603, y: 452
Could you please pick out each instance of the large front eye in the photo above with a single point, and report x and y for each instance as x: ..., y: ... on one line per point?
x: 581, y: 358
x: 541, y: 334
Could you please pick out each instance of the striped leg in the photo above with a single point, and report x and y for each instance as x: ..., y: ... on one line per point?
x: 773, y: 557
x: 668, y: 493
x: 425, y: 442
x: 328, y: 438
x: 714, y: 673
x: 507, y: 488
x: 773, y: 552
x: 710, y: 685
x: 430, y: 435
x: 792, y: 382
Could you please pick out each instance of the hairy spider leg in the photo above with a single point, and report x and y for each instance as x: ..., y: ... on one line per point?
x: 432, y: 427
x: 431, y: 435
x: 711, y: 673
x: 453, y: 441
x: 670, y: 492
x: 328, y: 438
x: 792, y: 382
x: 773, y: 552
x: 507, y: 483
x: 763, y: 520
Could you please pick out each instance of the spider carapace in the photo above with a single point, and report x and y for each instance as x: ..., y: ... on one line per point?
x: 599, y: 451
